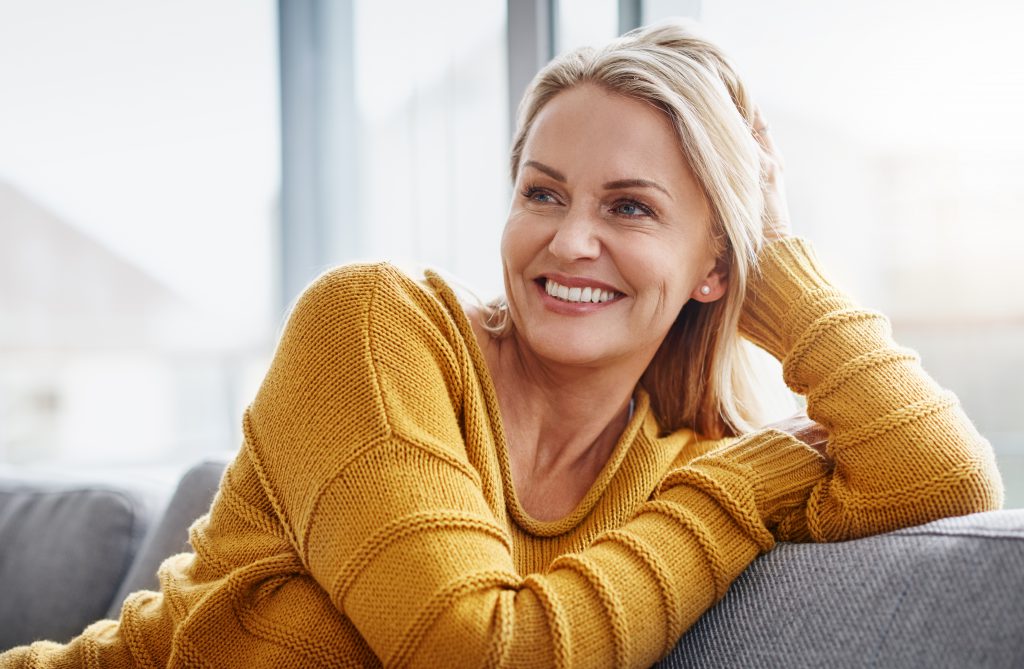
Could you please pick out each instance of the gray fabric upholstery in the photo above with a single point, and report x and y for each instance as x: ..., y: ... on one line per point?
x: 190, y: 500
x: 63, y: 553
x: 946, y: 594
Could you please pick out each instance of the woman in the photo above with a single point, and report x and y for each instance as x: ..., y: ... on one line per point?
x: 558, y: 479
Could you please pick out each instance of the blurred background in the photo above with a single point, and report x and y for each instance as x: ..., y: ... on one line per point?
x: 173, y: 173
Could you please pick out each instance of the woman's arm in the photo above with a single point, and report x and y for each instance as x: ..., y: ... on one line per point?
x: 358, y: 434
x: 904, y: 451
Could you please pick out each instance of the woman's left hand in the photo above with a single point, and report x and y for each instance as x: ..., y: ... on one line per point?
x: 776, y: 211
x: 799, y: 426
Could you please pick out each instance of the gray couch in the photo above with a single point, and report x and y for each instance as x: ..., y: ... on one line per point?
x: 944, y: 594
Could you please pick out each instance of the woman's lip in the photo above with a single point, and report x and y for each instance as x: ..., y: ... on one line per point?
x: 577, y: 282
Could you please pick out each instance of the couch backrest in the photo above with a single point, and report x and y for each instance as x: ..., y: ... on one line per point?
x: 946, y: 594
x: 169, y: 535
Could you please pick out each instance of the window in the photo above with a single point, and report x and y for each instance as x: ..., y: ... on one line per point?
x: 585, y: 23
x: 138, y: 210
x: 431, y: 98
x: 900, y: 125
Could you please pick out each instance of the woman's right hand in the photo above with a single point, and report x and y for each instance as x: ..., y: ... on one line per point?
x: 775, y: 217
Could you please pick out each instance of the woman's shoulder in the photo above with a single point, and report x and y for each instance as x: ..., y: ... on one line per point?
x: 361, y: 279
x: 367, y: 331
x: 378, y: 289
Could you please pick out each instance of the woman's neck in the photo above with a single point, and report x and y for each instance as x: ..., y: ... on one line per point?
x: 561, y: 423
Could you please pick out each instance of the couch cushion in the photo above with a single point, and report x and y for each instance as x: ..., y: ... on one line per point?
x: 63, y: 553
x: 945, y: 594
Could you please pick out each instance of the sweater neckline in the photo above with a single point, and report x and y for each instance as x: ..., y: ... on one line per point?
x: 639, y: 429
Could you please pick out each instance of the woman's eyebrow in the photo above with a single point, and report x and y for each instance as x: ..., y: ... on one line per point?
x: 550, y: 171
x: 611, y: 185
x: 635, y: 183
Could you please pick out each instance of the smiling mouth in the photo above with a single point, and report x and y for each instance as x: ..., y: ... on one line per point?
x: 576, y: 294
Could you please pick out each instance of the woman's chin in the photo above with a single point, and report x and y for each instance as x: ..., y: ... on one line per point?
x: 571, y: 347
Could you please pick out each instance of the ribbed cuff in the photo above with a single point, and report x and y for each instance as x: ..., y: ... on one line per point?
x: 781, y: 469
x: 786, y: 294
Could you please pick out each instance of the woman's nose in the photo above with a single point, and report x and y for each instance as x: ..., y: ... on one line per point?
x: 576, y: 237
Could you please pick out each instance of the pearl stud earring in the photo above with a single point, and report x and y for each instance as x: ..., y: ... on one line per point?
x: 705, y: 290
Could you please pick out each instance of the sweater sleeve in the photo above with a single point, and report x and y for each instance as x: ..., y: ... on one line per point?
x: 904, y: 452
x: 357, y: 435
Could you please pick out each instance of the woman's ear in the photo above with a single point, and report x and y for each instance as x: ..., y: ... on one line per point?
x: 714, y: 285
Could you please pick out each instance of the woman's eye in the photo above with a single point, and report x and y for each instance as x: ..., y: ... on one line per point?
x: 538, y: 195
x: 631, y: 209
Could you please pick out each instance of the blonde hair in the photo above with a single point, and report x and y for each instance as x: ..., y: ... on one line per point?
x: 701, y: 376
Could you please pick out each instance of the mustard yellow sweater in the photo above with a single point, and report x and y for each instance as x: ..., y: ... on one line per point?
x: 370, y: 518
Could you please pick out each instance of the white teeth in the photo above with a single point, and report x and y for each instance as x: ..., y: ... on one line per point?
x: 587, y: 294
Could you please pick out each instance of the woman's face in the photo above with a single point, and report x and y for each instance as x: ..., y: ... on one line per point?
x: 607, y: 235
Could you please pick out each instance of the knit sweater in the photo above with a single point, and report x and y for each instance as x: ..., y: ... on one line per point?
x: 370, y: 517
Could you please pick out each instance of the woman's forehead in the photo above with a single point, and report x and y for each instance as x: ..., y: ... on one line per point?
x: 588, y: 133
x: 591, y: 109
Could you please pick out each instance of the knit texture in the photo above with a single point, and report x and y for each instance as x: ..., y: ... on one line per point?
x: 369, y: 517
